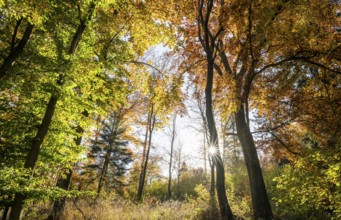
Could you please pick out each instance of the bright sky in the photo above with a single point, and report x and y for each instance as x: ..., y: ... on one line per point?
x: 188, y: 138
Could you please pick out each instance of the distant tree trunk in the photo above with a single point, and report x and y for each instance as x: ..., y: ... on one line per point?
x: 205, y: 155
x: 104, y: 170
x: 150, y: 125
x: 171, y: 159
x: 139, y: 190
x: 260, y: 200
x: 33, y: 154
x: 179, y: 174
x: 212, y: 185
x: 16, y: 51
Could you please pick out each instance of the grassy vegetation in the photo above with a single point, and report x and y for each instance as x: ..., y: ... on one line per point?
x: 118, y: 209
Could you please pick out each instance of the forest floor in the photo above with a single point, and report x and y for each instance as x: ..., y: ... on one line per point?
x: 125, y: 209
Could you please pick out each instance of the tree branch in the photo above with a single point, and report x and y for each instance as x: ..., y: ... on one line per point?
x: 283, y: 144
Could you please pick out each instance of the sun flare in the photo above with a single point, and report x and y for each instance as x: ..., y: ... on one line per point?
x: 212, y: 150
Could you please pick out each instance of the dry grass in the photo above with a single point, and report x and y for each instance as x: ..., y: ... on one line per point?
x: 149, y: 210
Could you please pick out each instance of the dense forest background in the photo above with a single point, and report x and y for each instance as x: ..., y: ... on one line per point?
x: 91, y: 90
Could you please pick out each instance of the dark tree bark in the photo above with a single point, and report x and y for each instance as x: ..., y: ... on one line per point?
x: 59, y: 205
x: 104, y: 171
x: 16, y: 51
x: 171, y: 159
x: 244, y: 79
x: 33, y: 154
x: 150, y: 125
x: 208, y: 41
x: 224, y: 206
x: 5, y: 212
x: 260, y: 200
x: 139, y: 190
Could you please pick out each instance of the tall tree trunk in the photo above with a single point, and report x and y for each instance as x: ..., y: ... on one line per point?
x: 16, y: 51
x: 140, y: 187
x: 208, y: 42
x: 171, y: 160
x: 144, y: 171
x: 104, y: 171
x: 260, y: 200
x: 33, y: 154
x: 224, y: 206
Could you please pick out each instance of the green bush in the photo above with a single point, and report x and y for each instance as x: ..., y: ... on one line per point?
x: 310, y: 188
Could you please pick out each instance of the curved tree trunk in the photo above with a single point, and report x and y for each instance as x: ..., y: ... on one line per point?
x: 208, y: 42
x: 224, y: 206
x: 260, y: 200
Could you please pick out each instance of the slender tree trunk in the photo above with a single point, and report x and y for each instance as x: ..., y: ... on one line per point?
x: 179, y: 174
x: 144, y: 171
x: 104, y: 171
x: 140, y: 187
x: 224, y: 206
x: 208, y: 42
x: 260, y: 200
x: 16, y: 51
x: 171, y: 160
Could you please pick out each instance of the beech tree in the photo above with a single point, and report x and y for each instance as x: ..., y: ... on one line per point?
x: 207, y: 38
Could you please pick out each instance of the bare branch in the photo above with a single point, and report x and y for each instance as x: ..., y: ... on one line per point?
x: 283, y: 144
x: 144, y: 63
